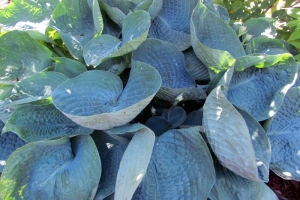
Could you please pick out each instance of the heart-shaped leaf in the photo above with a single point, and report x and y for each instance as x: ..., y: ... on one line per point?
x: 228, y: 135
x: 170, y: 64
x: 34, y: 123
x: 77, y: 23
x: 283, y: 131
x: 52, y: 169
x: 106, y: 46
x: 181, y: 167
x: 95, y: 99
x: 21, y: 56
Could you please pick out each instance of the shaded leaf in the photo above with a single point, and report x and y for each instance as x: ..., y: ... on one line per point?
x: 175, y: 116
x: 158, y: 125
x: 264, y: 45
x: 68, y: 67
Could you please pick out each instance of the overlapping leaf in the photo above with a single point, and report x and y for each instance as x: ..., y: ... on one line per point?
x: 283, y: 131
x: 77, y: 22
x: 169, y: 62
x: 52, y: 169
x: 27, y: 15
x: 228, y: 135
x: 21, y: 56
x: 106, y: 46
x: 260, y: 89
x: 216, y: 52
x: 180, y: 167
x: 265, y: 45
x: 231, y: 186
x: 95, y: 99
x: 173, y: 23
x: 35, y: 123
x: 68, y: 67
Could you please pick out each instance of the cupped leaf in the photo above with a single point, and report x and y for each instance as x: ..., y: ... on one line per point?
x: 223, y: 13
x: 173, y: 23
x: 111, y: 150
x: 261, y: 26
x: 21, y: 56
x: 175, y: 116
x: 5, y: 90
x: 216, y: 52
x: 34, y: 123
x: 27, y: 15
x: 265, y: 45
x: 169, y: 62
x: 231, y: 186
x: 106, y: 46
x: 228, y: 135
x: 221, y: 79
x: 260, y: 89
x: 115, y: 11
x: 194, y: 66
x: 181, y: 167
x: 9, y: 142
x: 261, y: 145
x: 52, y: 169
x: 194, y: 118
x: 283, y: 131
x: 95, y: 99
x: 115, y: 65
x: 68, y: 67
x: 77, y: 23
x: 134, y: 163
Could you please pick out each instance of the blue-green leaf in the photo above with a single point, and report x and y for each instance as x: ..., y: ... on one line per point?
x: 231, y: 186
x: 173, y: 23
x: 106, y: 46
x: 216, y: 52
x: 170, y: 64
x: 158, y: 125
x: 68, y: 67
x: 52, y: 169
x: 5, y: 90
x: 77, y: 24
x: 176, y: 169
x: 175, y: 116
x: 95, y: 98
x: 34, y: 123
x: 111, y: 150
x: 258, y: 90
x: 27, y: 15
x: 265, y: 45
x: 283, y: 131
x: 228, y: 135
x: 9, y: 142
x: 134, y: 163
x: 21, y: 56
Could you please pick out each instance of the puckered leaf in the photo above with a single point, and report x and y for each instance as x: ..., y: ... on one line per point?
x: 216, y: 52
x: 231, y: 186
x: 169, y: 62
x: 260, y: 89
x: 77, y: 23
x: 111, y: 150
x: 194, y: 66
x: 27, y: 14
x: 106, y: 46
x: 181, y: 167
x: 95, y: 99
x: 134, y: 163
x: 34, y: 123
x: 173, y: 23
x: 27, y: 57
x: 68, y: 67
x: 52, y: 169
x: 284, y: 133
x: 265, y: 45
x: 261, y: 145
x: 228, y: 135
x: 9, y: 142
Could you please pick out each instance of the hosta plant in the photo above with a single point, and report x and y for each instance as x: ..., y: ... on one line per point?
x: 143, y: 99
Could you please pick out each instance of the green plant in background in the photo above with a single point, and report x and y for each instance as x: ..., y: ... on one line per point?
x: 92, y: 97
